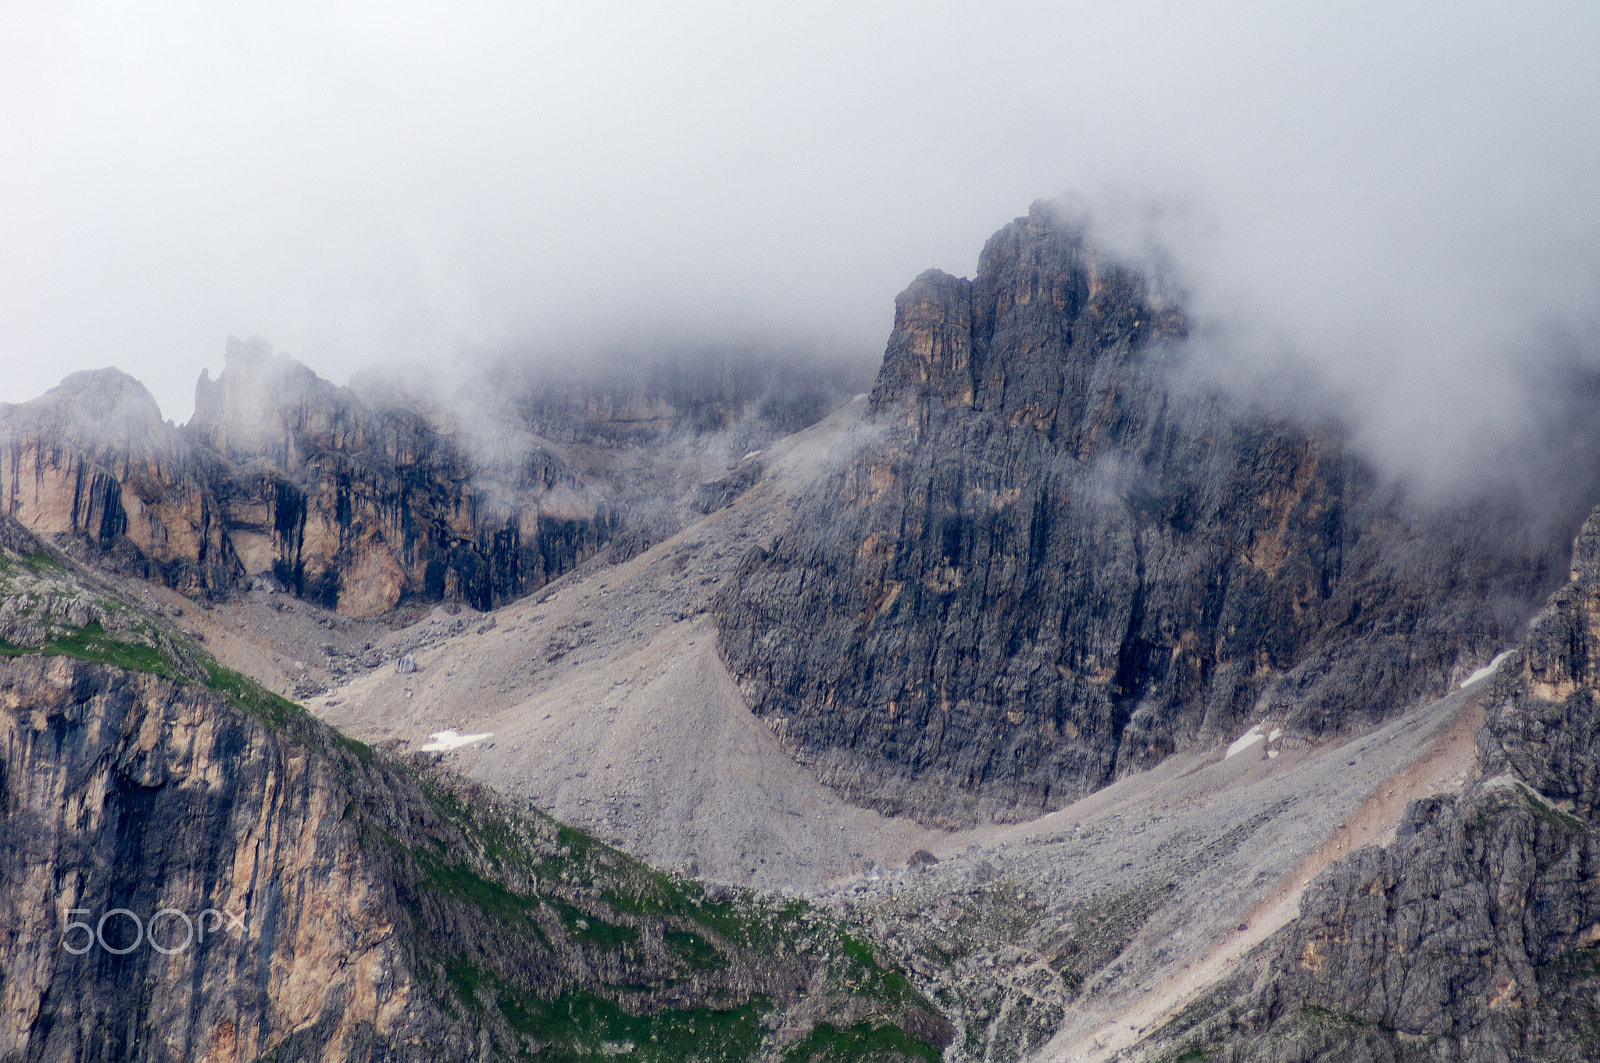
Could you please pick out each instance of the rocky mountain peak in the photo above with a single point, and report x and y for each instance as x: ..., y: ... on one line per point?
x: 107, y: 392
x: 1041, y: 568
x: 267, y: 406
x: 930, y: 349
x: 104, y: 409
x: 1047, y: 313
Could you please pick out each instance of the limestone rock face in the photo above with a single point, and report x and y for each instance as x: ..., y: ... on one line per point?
x: 360, y: 498
x: 1474, y: 936
x: 93, y: 459
x: 123, y: 791
x: 1044, y: 561
x: 285, y: 477
x: 356, y: 507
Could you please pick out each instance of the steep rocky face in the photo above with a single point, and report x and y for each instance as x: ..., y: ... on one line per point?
x: 281, y: 475
x: 616, y: 400
x: 199, y: 871
x: 359, y: 499
x: 93, y: 460
x: 1474, y: 936
x: 125, y: 792
x: 1042, y: 564
x: 356, y: 507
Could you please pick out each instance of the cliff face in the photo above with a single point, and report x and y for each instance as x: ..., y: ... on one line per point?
x: 356, y: 507
x: 1474, y: 936
x: 1042, y: 565
x: 193, y: 869
x: 126, y: 792
x: 93, y: 459
x: 361, y: 499
x: 282, y: 475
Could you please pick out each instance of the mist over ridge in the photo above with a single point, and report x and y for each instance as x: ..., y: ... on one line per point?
x: 1398, y: 204
x: 829, y: 533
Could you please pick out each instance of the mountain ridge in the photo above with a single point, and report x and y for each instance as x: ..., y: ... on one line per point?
x: 362, y: 501
x: 358, y: 905
x: 1039, y: 570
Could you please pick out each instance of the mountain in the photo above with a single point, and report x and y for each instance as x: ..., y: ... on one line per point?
x: 1475, y: 935
x: 1068, y: 706
x: 360, y: 501
x: 1047, y: 559
x: 93, y: 460
x: 193, y: 868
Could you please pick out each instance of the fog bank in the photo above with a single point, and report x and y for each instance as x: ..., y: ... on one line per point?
x: 1399, y: 204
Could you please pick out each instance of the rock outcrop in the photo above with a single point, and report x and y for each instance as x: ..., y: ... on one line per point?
x: 193, y: 869
x: 1045, y: 562
x: 92, y: 460
x: 1475, y: 936
x: 358, y: 507
x: 360, y: 499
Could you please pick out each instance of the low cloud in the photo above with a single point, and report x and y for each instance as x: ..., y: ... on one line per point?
x: 1397, y: 204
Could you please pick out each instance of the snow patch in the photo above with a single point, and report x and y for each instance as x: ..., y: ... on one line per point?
x: 1246, y: 740
x: 446, y: 740
x: 1487, y: 670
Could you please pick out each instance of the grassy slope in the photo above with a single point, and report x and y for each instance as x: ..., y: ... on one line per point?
x: 709, y: 974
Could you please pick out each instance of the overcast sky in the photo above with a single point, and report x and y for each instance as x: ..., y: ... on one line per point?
x: 1408, y: 193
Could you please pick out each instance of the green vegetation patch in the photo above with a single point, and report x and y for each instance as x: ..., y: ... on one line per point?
x: 592, y: 930
x: 582, y: 1026
x: 356, y: 748
x: 1578, y: 963
x: 1564, y: 822
x: 1325, y: 1018
x: 40, y: 562
x: 93, y: 643
x: 465, y: 979
x: 825, y: 1044
x: 697, y: 952
x: 601, y: 897
x: 462, y: 883
x: 246, y: 694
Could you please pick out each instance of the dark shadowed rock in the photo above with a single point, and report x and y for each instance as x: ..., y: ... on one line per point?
x: 1042, y: 563
x: 1474, y: 936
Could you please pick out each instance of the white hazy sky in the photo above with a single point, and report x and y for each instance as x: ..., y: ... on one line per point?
x: 1406, y: 193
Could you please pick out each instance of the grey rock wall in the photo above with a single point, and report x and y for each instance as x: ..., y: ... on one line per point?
x: 1043, y: 563
x: 1473, y: 937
